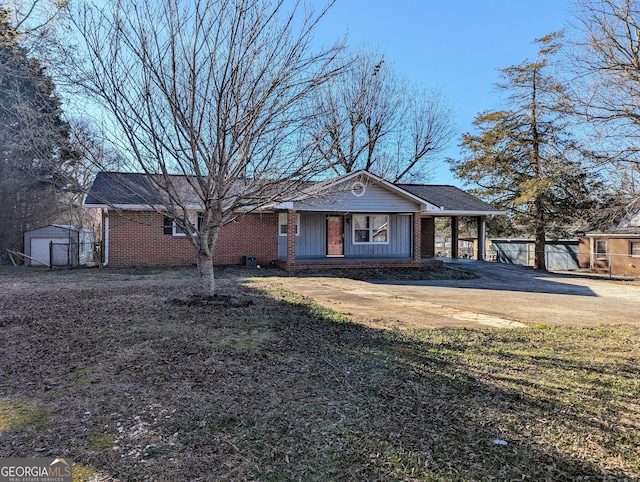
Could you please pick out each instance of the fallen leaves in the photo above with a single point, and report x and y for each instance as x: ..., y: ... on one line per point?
x: 142, y: 389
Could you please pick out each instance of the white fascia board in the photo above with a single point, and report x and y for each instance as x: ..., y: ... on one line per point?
x: 141, y: 207
x: 97, y: 206
x: 424, y: 204
x: 464, y: 213
x: 612, y: 235
x: 322, y: 186
x: 285, y: 205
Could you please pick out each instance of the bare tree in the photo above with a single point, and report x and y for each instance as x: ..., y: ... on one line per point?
x: 607, y: 84
x: 376, y: 121
x: 91, y: 154
x: 33, y: 16
x: 605, y: 70
x: 217, y: 91
x: 40, y: 25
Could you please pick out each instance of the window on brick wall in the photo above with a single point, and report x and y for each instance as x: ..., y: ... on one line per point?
x: 170, y: 226
x: 283, y: 224
x: 601, y: 249
x: 634, y: 249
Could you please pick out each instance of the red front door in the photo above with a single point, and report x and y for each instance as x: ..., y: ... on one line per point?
x: 335, y: 235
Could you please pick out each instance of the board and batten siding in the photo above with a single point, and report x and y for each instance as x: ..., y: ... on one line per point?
x: 312, y: 242
x: 375, y: 199
x: 399, y: 235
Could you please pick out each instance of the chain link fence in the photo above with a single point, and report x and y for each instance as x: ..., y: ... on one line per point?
x: 612, y: 264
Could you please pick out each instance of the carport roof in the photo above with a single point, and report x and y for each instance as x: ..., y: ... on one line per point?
x: 450, y: 199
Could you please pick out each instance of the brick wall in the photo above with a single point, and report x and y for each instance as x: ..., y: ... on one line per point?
x: 617, y: 261
x: 338, y: 263
x: 417, y: 237
x: 136, y: 238
x: 584, y: 256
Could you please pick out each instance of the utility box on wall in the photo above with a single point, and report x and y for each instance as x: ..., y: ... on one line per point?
x: 250, y: 261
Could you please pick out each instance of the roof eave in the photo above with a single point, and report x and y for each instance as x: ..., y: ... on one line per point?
x: 613, y: 235
x: 459, y: 212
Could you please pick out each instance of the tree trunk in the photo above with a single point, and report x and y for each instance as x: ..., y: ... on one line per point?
x: 205, y: 270
x: 539, y: 261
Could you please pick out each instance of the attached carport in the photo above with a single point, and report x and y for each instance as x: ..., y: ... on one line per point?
x: 453, y: 203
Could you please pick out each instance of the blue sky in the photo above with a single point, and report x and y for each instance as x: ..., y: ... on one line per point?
x: 456, y: 46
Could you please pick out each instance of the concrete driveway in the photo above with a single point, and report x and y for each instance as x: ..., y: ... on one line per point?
x: 502, y: 296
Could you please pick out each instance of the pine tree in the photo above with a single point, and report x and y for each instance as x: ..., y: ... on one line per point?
x: 33, y: 141
x: 525, y: 159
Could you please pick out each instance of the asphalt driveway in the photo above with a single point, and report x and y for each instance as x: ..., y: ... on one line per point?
x: 502, y: 296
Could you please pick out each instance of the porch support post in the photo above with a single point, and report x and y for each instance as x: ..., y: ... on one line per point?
x: 291, y: 237
x: 454, y: 237
x: 482, y: 234
x: 417, y: 237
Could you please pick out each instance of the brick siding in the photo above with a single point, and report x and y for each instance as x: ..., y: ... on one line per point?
x: 417, y: 237
x: 136, y: 238
x: 618, y: 260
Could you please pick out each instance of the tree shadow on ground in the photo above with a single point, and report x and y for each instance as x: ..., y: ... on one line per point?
x: 284, y: 390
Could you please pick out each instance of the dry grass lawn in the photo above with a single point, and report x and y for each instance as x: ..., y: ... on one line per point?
x: 95, y: 366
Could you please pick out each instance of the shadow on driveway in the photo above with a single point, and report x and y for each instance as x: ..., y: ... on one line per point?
x: 505, y: 277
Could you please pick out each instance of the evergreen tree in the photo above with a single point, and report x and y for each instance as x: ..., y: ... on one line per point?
x: 525, y: 159
x: 34, y: 147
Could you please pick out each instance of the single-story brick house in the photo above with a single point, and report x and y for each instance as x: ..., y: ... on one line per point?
x: 616, y: 250
x: 357, y: 220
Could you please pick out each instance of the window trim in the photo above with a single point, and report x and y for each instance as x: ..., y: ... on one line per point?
x: 601, y: 255
x: 371, y: 230
x: 193, y: 217
x: 631, y: 243
x: 285, y: 216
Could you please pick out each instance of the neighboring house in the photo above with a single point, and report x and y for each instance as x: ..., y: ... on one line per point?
x: 353, y: 220
x: 616, y: 250
x: 58, y: 245
x: 561, y: 254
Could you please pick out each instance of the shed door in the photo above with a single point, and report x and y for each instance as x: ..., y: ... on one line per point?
x: 40, y: 250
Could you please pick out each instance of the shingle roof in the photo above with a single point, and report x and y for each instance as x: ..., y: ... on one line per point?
x: 124, y: 188
x: 134, y: 189
x: 449, y: 198
x: 115, y: 188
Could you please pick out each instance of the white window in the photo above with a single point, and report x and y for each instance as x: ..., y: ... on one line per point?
x: 193, y: 219
x: 601, y: 249
x: 634, y: 249
x: 283, y: 226
x: 370, y: 229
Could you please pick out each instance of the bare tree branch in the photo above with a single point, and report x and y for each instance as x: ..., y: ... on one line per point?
x: 219, y: 92
x: 374, y: 120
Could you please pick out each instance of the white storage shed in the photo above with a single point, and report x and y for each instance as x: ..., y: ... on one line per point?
x: 58, y: 245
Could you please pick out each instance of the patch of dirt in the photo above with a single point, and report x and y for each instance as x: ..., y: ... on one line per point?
x: 213, y: 300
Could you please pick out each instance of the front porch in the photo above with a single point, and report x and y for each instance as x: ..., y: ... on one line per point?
x: 360, y: 220
x: 317, y: 240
